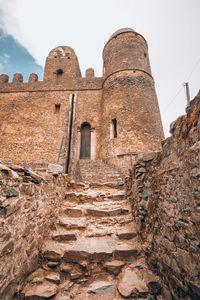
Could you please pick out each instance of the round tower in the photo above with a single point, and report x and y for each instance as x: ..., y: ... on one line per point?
x: 131, y: 121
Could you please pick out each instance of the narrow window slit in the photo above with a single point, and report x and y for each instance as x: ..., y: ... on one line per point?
x: 114, y: 123
x: 57, y: 108
x: 59, y: 74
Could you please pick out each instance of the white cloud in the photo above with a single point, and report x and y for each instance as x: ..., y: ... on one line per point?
x: 4, y: 58
x: 170, y: 27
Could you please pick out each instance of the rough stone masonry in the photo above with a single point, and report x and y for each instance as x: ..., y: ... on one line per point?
x: 67, y: 117
x: 62, y: 239
x: 66, y: 240
x: 165, y: 192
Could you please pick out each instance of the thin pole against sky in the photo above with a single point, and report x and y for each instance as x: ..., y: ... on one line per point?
x: 186, y: 84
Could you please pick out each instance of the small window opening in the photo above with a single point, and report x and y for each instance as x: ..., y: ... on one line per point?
x: 114, y: 123
x: 57, y: 108
x: 68, y: 57
x: 59, y: 74
x: 145, y: 55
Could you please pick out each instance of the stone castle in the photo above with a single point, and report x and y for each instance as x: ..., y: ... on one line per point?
x: 67, y: 117
x: 97, y: 235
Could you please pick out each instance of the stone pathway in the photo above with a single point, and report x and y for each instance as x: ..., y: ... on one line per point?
x: 97, y: 171
x: 93, y: 252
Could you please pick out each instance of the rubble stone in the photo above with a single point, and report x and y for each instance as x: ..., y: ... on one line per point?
x: 101, y: 288
x: 44, y: 291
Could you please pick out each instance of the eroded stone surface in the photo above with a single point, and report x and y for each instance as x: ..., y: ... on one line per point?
x: 114, y: 266
x: 43, y: 291
x: 101, y: 288
x: 165, y: 204
x: 72, y: 223
x: 64, y: 236
x: 53, y: 277
x: 37, y: 276
x: 131, y: 283
x: 52, y: 251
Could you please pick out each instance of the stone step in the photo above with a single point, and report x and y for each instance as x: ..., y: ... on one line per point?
x: 99, y: 232
x: 74, y: 212
x: 126, y: 235
x: 63, y: 236
x: 97, y: 209
x: 98, y: 249
x: 102, y: 176
x: 98, y: 171
x: 117, y: 196
x: 74, y: 203
x: 94, y: 212
x: 108, y: 223
x: 107, y: 184
x: 72, y: 223
x: 109, y: 202
x: 82, y: 197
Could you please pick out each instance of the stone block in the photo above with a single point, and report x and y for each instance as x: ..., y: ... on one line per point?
x: 55, y: 168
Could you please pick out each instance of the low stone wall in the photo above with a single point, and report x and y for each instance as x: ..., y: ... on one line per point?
x: 164, y: 190
x: 29, y: 204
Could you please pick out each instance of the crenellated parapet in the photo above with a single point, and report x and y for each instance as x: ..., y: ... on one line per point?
x: 33, y: 78
x: 17, y: 78
x: 61, y: 72
x: 89, y: 73
x: 89, y: 82
x: 4, y: 79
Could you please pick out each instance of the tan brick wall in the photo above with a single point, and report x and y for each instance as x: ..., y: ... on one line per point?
x: 31, y: 129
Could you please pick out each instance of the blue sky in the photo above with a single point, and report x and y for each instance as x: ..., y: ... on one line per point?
x: 29, y: 29
x: 15, y: 58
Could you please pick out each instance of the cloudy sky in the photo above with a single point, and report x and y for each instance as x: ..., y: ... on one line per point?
x: 29, y: 29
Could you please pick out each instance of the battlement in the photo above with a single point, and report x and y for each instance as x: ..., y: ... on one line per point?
x: 89, y: 82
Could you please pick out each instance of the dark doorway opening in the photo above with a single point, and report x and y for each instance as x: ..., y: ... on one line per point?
x: 85, y: 152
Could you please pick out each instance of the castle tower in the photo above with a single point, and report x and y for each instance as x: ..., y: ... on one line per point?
x: 131, y: 121
x: 61, y: 66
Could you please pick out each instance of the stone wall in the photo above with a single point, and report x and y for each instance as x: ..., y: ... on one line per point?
x: 164, y: 191
x: 29, y: 205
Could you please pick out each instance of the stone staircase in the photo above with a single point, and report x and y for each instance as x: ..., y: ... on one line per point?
x: 98, y: 171
x: 93, y: 251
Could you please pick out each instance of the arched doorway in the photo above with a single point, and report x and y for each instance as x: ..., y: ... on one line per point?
x: 85, y: 149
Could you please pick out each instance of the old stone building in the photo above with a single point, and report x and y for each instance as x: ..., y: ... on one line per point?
x: 98, y: 239
x: 67, y: 118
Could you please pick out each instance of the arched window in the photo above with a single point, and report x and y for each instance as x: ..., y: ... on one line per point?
x: 85, y: 149
x: 59, y: 74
